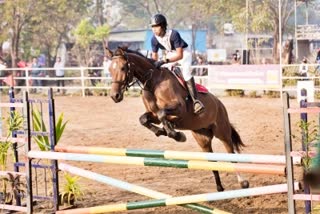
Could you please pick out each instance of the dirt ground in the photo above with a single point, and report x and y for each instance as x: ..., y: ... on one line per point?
x: 98, y: 121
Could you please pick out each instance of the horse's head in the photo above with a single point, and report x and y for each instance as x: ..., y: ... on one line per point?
x: 120, y: 72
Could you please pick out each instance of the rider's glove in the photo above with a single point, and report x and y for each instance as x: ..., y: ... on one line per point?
x: 159, y: 63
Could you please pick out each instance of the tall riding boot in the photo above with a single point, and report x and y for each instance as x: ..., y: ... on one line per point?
x: 197, y: 104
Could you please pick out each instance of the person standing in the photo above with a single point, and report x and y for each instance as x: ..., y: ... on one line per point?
x: 59, y: 69
x: 317, y: 61
x: 174, y: 49
x: 106, y: 65
x: 35, y: 72
x: 303, y: 68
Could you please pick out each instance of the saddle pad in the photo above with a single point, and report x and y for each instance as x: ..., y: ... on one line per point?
x: 201, y: 89
x: 178, y: 74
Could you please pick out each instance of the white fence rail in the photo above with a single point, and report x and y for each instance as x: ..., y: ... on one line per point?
x: 77, y: 79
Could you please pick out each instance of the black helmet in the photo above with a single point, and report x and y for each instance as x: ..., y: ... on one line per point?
x: 159, y: 19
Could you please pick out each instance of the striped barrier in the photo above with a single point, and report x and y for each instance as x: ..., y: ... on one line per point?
x: 204, y: 156
x: 272, y: 189
x: 132, y: 188
x: 219, y: 166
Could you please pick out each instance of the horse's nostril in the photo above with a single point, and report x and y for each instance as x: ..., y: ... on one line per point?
x: 117, y: 96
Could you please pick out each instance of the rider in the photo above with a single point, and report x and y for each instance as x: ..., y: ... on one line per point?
x: 173, y: 47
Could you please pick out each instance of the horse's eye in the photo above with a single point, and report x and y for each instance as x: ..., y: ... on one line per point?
x: 124, y: 68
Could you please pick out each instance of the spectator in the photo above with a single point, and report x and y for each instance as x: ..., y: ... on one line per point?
x: 3, y: 65
x: 93, y: 72
x: 200, y: 71
x: 106, y: 65
x: 318, y: 62
x: 303, y: 68
x: 238, y: 56
x: 59, y: 69
x: 235, y: 60
x: 35, y: 72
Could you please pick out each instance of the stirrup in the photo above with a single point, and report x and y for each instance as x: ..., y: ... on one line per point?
x: 198, y: 107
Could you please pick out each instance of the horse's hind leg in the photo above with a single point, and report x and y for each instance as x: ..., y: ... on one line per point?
x: 147, y: 120
x: 204, y: 139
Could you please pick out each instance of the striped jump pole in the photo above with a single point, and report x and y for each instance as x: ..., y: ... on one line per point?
x: 272, y: 189
x: 132, y: 188
x: 140, y: 161
x: 178, y: 155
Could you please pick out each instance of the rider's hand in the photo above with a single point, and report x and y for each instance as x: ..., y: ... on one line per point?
x: 159, y: 63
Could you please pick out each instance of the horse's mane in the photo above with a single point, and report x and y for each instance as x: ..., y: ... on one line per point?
x: 127, y: 50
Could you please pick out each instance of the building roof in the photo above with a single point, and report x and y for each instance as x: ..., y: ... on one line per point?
x: 128, y: 36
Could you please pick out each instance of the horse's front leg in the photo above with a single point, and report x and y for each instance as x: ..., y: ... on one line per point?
x: 148, y: 120
x: 169, y: 126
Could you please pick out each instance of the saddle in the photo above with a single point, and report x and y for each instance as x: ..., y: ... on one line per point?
x: 178, y: 74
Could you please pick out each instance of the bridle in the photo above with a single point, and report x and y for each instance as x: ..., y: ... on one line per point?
x: 128, y: 81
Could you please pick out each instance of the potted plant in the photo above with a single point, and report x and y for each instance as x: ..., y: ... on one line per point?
x: 71, y: 190
x: 39, y: 125
x: 17, y: 188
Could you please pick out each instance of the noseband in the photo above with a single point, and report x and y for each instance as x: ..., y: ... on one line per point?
x: 126, y: 83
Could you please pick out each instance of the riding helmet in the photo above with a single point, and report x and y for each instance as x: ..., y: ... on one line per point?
x: 159, y: 19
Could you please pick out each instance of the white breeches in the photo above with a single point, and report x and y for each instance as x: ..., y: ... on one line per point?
x: 185, y: 63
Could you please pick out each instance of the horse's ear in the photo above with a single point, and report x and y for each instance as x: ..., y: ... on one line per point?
x: 123, y: 47
x: 109, y: 53
x: 119, y: 51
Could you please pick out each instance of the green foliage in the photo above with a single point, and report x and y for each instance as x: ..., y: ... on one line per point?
x: 84, y: 33
x: 102, y: 32
x: 39, y: 125
x: 273, y: 94
x: 17, y: 187
x: 311, y: 135
x: 4, y: 148
x: 14, y: 122
x: 291, y: 71
x: 235, y: 92
x: 71, y: 189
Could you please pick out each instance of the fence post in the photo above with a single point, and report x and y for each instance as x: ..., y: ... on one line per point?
x: 82, y: 82
x: 27, y: 79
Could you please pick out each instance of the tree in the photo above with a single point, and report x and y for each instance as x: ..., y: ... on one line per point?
x: 86, y: 35
x: 16, y: 15
x: 53, y: 23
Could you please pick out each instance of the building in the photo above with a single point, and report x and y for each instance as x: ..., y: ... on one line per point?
x: 141, y: 39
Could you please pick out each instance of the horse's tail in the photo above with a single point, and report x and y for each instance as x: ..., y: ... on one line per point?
x: 236, y: 139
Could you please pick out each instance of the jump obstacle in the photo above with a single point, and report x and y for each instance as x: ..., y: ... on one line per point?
x: 304, y: 109
x: 192, y: 160
x: 203, y: 156
x: 169, y: 201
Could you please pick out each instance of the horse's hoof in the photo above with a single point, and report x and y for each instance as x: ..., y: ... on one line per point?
x: 220, y: 189
x: 180, y: 137
x: 244, y: 184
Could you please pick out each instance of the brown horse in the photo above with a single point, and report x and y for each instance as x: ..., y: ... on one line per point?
x: 166, y: 101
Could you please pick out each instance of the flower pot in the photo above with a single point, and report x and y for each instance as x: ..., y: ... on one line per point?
x: 63, y: 199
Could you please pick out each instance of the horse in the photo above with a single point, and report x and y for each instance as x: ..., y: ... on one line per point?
x: 166, y: 102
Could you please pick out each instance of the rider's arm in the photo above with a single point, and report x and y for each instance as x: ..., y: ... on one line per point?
x: 177, y: 56
x: 155, y: 56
